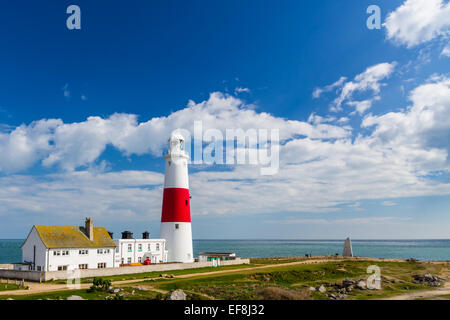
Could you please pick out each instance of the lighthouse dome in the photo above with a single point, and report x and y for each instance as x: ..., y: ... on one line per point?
x: 176, y: 144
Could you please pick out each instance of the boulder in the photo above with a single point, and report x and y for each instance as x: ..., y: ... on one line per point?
x: 73, y: 297
x: 321, y: 289
x: 177, y: 295
x: 312, y: 289
x: 348, y: 282
x: 361, y: 285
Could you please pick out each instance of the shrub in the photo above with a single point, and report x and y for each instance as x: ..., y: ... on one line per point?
x: 277, y: 293
x: 100, y: 284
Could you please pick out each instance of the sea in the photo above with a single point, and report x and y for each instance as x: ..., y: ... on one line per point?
x: 399, y: 249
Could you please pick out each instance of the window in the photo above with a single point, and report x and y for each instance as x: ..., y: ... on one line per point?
x: 99, y: 251
x: 157, y: 247
x: 61, y: 268
x: 117, y: 249
x: 130, y: 247
x: 187, y: 202
x: 177, y: 226
x: 140, y: 259
x: 83, y: 266
x: 101, y: 265
x: 139, y: 247
x: 149, y: 247
x: 65, y: 252
x: 83, y: 252
x: 122, y: 261
x: 56, y: 253
x: 106, y: 251
x: 39, y: 268
x: 129, y: 260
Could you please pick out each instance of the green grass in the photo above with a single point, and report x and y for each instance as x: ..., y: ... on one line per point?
x: 8, y: 286
x: 155, y: 274
x: 248, y: 283
x: 274, y: 282
x: 86, y: 294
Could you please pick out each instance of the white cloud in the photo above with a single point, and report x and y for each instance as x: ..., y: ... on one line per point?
x: 446, y: 51
x: 73, y: 145
x: 323, y: 167
x: 345, y: 222
x: 418, y: 21
x: 318, y: 91
x: 369, y: 80
x: 66, y: 90
x: 240, y: 90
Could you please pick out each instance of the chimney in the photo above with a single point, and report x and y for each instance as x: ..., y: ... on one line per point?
x: 127, y: 235
x: 89, y: 228
x: 111, y: 234
x: 145, y: 235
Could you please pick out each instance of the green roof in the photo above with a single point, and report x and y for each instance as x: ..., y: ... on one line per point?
x: 73, y: 237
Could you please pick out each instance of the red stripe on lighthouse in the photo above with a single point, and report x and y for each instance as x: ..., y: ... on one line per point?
x: 176, y: 205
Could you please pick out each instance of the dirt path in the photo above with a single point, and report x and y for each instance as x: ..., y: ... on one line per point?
x: 423, y: 294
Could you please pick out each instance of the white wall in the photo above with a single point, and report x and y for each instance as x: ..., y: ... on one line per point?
x: 178, y: 241
x: 122, y: 251
x: 39, y: 258
x: 74, y: 259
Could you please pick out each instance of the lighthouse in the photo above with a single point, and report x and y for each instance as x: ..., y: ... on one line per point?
x: 176, y: 213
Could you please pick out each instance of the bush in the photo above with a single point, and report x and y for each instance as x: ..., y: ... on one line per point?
x: 277, y: 293
x: 100, y: 284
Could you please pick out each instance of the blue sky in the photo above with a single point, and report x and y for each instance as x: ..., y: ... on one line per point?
x: 84, y: 115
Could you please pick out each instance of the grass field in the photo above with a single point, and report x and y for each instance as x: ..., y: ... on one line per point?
x: 274, y: 281
x: 8, y: 286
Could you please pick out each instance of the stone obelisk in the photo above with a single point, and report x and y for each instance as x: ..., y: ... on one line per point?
x: 348, y: 251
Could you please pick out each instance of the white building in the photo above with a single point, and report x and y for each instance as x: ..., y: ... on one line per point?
x: 53, y: 248
x: 129, y: 250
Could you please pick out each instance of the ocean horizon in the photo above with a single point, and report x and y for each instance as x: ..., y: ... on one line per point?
x: 421, y: 249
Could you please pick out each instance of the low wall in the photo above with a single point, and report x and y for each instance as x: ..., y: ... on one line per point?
x: 88, y: 273
x: 17, y: 274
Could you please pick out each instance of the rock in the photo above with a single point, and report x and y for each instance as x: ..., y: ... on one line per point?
x: 73, y: 297
x: 10, y: 299
x: 177, y: 295
x: 321, y: 289
x: 266, y: 279
x: 172, y: 276
x: 342, y: 296
x: 332, y: 296
x: 142, y: 288
x: 312, y: 289
x: 348, y: 282
x: 349, y: 288
x: 132, y: 293
x: 116, y: 290
x: 361, y: 285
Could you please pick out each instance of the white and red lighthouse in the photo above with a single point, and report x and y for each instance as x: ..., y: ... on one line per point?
x: 176, y: 213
